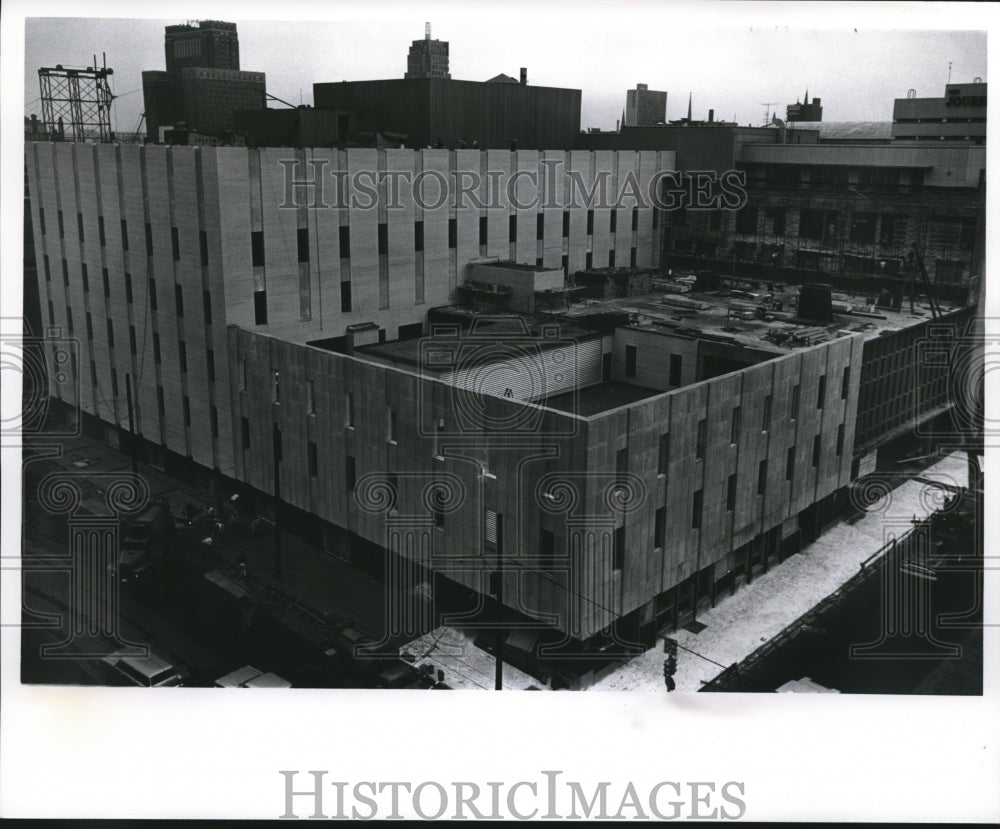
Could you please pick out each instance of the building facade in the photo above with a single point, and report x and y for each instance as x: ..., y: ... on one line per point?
x: 427, y: 58
x: 959, y: 116
x: 645, y: 107
x: 203, y: 85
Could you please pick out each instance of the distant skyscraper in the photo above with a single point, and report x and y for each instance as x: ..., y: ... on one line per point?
x: 645, y: 107
x: 202, y: 85
x: 207, y: 44
x: 804, y: 111
x: 428, y: 58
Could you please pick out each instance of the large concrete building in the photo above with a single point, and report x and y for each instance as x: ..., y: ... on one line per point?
x: 203, y: 85
x: 645, y: 107
x: 959, y: 116
x: 299, y: 316
x: 427, y: 58
x: 434, y: 111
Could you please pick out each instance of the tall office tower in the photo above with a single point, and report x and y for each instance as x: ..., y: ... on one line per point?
x: 645, y: 107
x: 207, y: 44
x: 428, y: 58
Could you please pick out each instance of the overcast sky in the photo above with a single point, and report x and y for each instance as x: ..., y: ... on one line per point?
x: 731, y: 57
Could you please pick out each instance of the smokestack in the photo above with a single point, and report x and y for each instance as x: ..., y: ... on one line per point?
x: 711, y: 116
x: 524, y: 76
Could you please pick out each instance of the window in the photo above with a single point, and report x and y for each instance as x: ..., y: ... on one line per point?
x: 203, y: 246
x: 565, y: 224
x: 821, y: 392
x: 731, y: 493
x: 565, y: 265
x: 383, y: 239
x: 90, y: 327
x: 589, y: 261
x: 345, y: 242
x: 124, y: 235
x: 175, y: 244
x: 86, y: 276
x: 182, y: 356
x: 48, y: 272
x: 206, y: 306
x: 611, y: 258
x: 793, y: 403
x: 131, y: 339
x: 766, y: 424
x: 452, y: 234
x: 186, y: 404
x: 635, y: 218
x: 79, y: 226
x: 696, y: 503
x: 483, y: 231
x: 100, y: 231
x: 746, y: 219
x: 630, y: 360
x: 614, y: 220
x: 391, y: 426
x: 152, y: 294
x: 540, y: 226
x: 761, y: 477
x: 349, y: 409
x: 664, y: 456
x: 418, y: 236
x: 790, y: 464
x: 107, y: 283
x: 41, y: 218
x: 65, y: 270
x: 111, y: 334
x: 210, y: 365
x: 114, y: 383
x: 149, y: 239
x: 863, y: 228
x: 811, y: 224
x: 213, y: 416
x: 179, y: 300
x: 699, y: 449
x: 817, y: 444
x: 345, y: 296
x: 257, y: 248
x: 159, y: 401
x: 660, y: 528
x: 156, y: 347
x: 618, y: 549
x: 590, y: 222
x: 128, y: 288
x: 734, y: 431
x: 840, y: 440
x: 69, y: 319
x: 302, y: 236
x: 62, y: 228
x: 260, y: 307
x: 512, y: 229
x: 312, y: 459
x: 845, y: 383
x: 245, y: 432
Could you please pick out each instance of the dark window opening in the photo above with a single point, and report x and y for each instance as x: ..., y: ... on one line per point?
x: 845, y: 383
x: 821, y: 392
x: 345, y: 296
x: 260, y: 307
x: 675, y: 369
x: 79, y: 226
x: 540, y: 226
x: 614, y: 221
x: 483, y: 231
x: 106, y: 279
x: 100, y: 231
x: 840, y: 440
x: 149, y: 239
x: 590, y: 222
x: 152, y: 294
x: 345, y: 242
x: 156, y: 348
x: 793, y: 404
x: 565, y: 227
x: 817, y: 443
x: 660, y: 528
x: 175, y: 244
x: 128, y: 288
x: 734, y: 432
x: 631, y: 356
x: 302, y: 237
x: 767, y: 414
x: 257, y: 248
x: 186, y: 404
x: 790, y: 464
x: 124, y: 234
x: 731, y: 493
x: 452, y: 234
x: 418, y: 236
x: 761, y: 477
x: 696, y: 504
x: 179, y: 300
x: 203, y: 247
x: 182, y: 356
x: 383, y: 239
x: 512, y: 226
x: 618, y: 552
x: 206, y: 303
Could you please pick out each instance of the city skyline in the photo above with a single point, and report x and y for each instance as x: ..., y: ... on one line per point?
x: 785, y: 63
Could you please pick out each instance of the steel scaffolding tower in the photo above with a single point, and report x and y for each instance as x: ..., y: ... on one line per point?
x: 76, y: 103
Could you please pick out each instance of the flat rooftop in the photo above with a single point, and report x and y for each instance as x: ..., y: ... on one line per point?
x: 602, y: 397
x: 729, y: 314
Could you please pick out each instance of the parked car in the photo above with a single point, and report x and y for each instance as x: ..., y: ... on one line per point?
x: 150, y: 671
x: 251, y: 677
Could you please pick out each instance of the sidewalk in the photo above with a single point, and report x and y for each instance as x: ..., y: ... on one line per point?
x: 757, y: 612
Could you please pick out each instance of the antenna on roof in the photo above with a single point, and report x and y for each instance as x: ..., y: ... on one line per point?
x: 427, y: 31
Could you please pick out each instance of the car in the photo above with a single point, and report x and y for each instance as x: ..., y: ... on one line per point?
x: 149, y: 671
x: 250, y: 677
